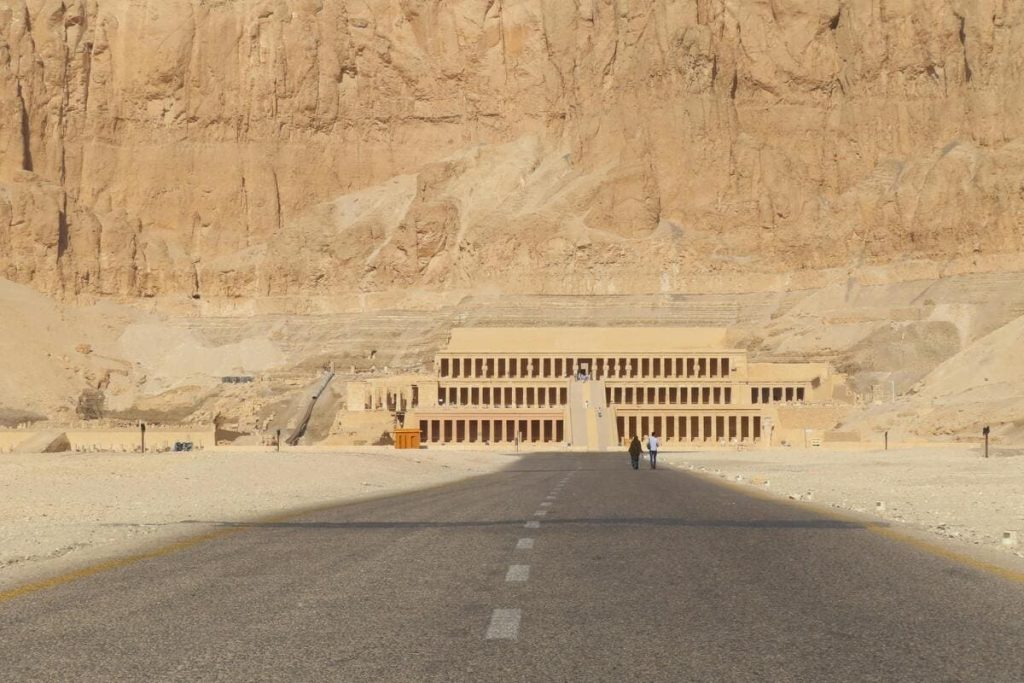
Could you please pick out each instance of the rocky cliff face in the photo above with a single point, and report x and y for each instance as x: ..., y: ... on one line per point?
x: 245, y: 149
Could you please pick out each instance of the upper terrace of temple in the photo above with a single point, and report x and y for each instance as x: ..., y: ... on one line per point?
x: 599, y: 340
x: 604, y: 353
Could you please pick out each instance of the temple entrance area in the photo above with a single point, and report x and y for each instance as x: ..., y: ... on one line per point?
x: 597, y: 387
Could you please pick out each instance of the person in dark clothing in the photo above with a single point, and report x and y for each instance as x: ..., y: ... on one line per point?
x: 634, y: 453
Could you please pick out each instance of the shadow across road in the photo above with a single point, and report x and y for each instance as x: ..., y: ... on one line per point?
x: 548, y: 522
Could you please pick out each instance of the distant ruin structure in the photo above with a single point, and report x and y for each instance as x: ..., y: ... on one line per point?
x: 597, y: 387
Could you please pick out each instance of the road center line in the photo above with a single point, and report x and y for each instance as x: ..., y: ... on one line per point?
x: 517, y: 573
x: 525, y: 544
x: 504, y: 624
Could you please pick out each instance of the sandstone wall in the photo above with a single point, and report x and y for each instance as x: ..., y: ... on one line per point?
x: 254, y: 148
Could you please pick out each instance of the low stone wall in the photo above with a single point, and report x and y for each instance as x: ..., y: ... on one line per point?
x: 129, y: 439
x: 124, y: 440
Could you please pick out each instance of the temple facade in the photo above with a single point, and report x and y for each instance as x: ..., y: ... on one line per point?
x: 597, y: 387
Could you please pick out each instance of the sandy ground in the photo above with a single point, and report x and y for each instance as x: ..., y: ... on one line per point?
x: 60, y: 511
x: 951, y: 492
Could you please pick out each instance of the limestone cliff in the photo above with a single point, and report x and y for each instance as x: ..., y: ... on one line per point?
x: 273, y: 148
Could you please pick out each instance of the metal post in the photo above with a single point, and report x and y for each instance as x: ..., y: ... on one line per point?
x: 886, y: 439
x: 278, y: 442
x: 142, y: 433
x: 985, y: 433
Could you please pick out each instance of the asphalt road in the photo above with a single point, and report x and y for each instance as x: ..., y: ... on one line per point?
x: 629, y: 575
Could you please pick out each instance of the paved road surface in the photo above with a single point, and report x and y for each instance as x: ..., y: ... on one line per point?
x: 620, y: 575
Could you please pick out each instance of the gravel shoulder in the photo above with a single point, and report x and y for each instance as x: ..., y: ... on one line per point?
x: 946, y: 493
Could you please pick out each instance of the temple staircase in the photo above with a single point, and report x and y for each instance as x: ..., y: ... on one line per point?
x: 591, y: 422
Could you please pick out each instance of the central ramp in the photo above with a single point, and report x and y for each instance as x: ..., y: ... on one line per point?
x: 591, y: 422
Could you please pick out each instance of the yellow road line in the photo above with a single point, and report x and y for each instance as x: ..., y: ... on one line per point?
x: 185, y: 544
x: 110, y: 565
x: 946, y: 553
x: 872, y: 527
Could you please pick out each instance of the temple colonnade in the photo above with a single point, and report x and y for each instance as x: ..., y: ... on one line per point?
x: 597, y: 367
x: 492, y: 430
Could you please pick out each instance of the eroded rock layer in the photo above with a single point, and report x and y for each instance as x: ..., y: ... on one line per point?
x: 264, y: 148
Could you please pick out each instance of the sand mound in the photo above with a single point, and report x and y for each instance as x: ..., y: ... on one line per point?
x: 61, y: 362
x: 980, y: 385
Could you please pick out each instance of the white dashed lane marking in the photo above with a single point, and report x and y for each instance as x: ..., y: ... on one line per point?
x: 545, y: 504
x: 504, y: 624
x: 525, y: 544
x: 540, y: 513
x: 532, y: 525
x: 517, y: 573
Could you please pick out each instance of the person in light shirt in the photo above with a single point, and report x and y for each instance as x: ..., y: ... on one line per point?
x: 652, y: 449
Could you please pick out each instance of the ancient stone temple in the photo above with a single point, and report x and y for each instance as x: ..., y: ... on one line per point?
x: 596, y: 387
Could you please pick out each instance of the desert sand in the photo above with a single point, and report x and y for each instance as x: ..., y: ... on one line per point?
x: 59, y: 511
x: 952, y: 493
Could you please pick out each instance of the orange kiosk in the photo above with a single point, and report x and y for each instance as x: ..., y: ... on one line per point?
x: 407, y: 439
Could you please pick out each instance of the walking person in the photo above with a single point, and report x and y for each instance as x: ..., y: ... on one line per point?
x: 652, y: 449
x: 634, y: 452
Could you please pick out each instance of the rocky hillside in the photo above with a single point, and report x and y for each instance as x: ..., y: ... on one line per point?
x: 248, y: 149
